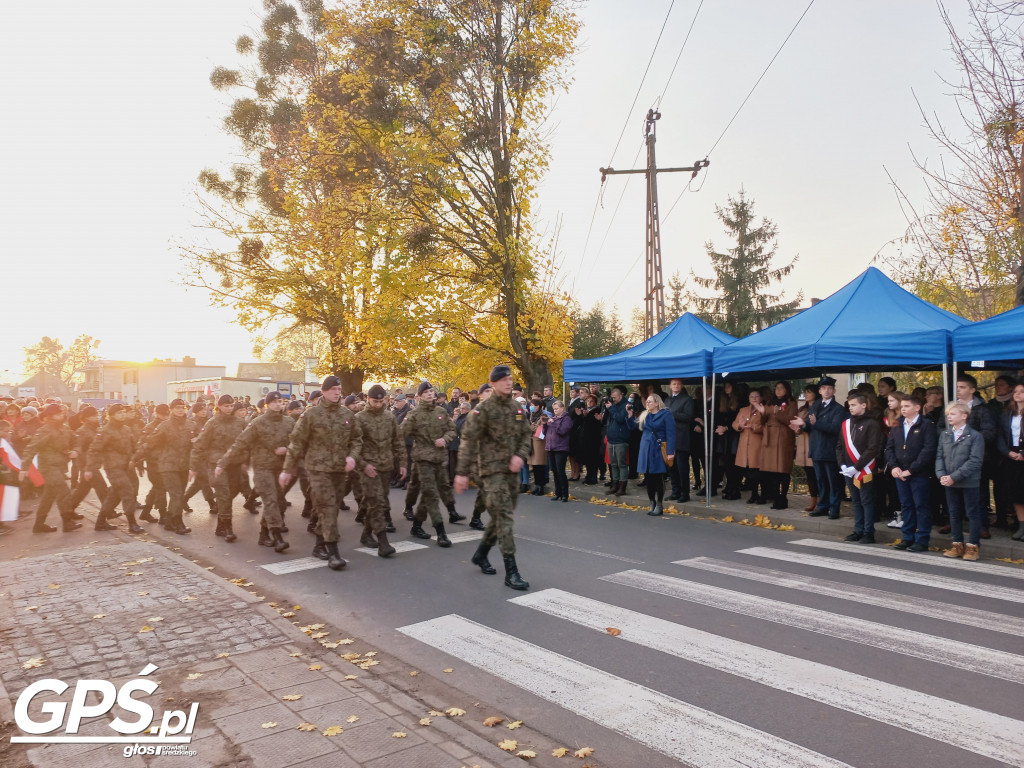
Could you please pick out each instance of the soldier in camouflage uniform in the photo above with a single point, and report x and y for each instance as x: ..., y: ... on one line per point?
x: 218, y: 435
x: 84, y: 437
x: 431, y: 429
x: 265, y: 441
x: 382, y: 447
x: 496, y: 443
x: 479, y: 504
x: 295, y: 410
x: 157, y: 496
x: 53, y: 444
x: 112, y: 450
x: 171, y: 445
x: 199, y: 482
x: 329, y: 440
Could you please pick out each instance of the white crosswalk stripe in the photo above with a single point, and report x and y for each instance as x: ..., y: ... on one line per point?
x: 400, y: 546
x: 931, y: 559
x: 920, y: 606
x: 291, y: 566
x: 981, y: 732
x: 996, y: 591
x: 682, y: 731
x: 973, y: 658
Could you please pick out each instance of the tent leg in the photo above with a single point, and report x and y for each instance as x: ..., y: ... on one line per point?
x: 953, y: 394
x: 709, y: 420
x: 945, y: 383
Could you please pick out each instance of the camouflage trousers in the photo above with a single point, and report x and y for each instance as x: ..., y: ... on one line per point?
x: 328, y: 490
x: 174, y: 483
x: 500, y: 494
x: 375, y: 500
x: 270, y: 491
x: 433, y: 487
x: 122, y: 489
x: 480, y: 503
x: 225, y: 487
x: 157, y: 496
x: 201, y: 484
x: 55, y: 490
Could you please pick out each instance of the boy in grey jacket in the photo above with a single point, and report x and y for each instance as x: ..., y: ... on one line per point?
x: 961, y: 453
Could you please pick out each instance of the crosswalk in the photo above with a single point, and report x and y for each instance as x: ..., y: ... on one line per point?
x: 973, y: 730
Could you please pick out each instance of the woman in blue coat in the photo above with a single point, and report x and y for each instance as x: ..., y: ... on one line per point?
x: 656, y: 426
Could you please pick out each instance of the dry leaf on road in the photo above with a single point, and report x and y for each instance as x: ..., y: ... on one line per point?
x: 146, y: 628
x: 32, y: 608
x: 269, y: 725
x: 509, y: 745
x: 223, y: 655
x: 318, y: 635
x: 352, y: 719
x: 399, y: 735
x: 585, y: 752
x: 351, y: 677
x: 194, y: 676
x: 155, y: 618
x: 560, y: 752
x: 33, y: 663
x: 435, y: 713
x: 514, y: 724
x: 614, y: 631
x: 413, y: 673
x: 315, y: 667
x: 448, y: 670
x: 370, y: 654
x: 346, y: 641
x: 425, y: 721
x: 292, y: 697
x: 100, y: 616
x: 334, y: 730
x: 297, y: 653
x: 490, y: 722
x: 305, y: 727
x: 54, y: 586
x: 526, y: 754
x: 455, y: 712
x: 288, y: 614
x: 142, y: 594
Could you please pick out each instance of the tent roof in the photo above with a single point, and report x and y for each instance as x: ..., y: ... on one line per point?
x: 996, y: 343
x: 681, y: 349
x: 871, y: 324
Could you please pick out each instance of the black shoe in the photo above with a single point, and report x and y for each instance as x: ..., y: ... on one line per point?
x: 418, y: 532
x: 917, y: 547
x: 220, y: 529
x: 334, y: 561
x: 674, y: 496
x: 147, y: 517
x: 476, y: 524
x: 43, y: 528
x: 306, y: 512
x: 103, y: 525
x: 320, y: 548
x: 367, y: 539
x: 512, y: 577
x: 565, y: 498
x: 186, y: 509
x: 701, y: 492
x: 480, y: 559
x: 854, y: 537
x: 264, y: 540
x: 553, y: 498
x: 344, y: 507
x: 229, y: 534
x: 867, y: 538
x: 384, y: 548
x: 280, y: 545
x: 442, y: 538
x: 76, y: 516
x: 70, y: 525
x: 180, y: 528
x: 818, y: 513
x: 360, y: 518
x: 833, y: 515
x: 454, y: 517
x: 780, y: 504
x: 754, y: 500
x: 284, y: 528
x: 311, y: 527
x: 408, y: 514
x: 390, y: 528
x: 903, y: 544
x: 251, y: 506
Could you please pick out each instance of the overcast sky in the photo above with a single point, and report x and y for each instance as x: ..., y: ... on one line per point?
x: 110, y: 117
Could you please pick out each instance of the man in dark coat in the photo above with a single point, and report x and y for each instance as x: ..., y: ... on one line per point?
x: 823, y: 421
x: 682, y: 407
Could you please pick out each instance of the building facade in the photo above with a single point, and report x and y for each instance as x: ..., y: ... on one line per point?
x: 131, y: 382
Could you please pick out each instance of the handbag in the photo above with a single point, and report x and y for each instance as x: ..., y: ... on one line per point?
x: 664, y: 454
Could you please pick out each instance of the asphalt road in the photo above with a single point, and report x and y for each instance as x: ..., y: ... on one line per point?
x: 792, y: 654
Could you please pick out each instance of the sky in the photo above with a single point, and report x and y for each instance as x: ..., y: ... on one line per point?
x: 111, y: 118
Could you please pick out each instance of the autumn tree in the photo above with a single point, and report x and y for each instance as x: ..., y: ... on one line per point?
x: 742, y: 303
x: 677, y: 301
x: 451, y: 99
x: 963, y: 248
x: 596, y: 332
x: 51, y: 357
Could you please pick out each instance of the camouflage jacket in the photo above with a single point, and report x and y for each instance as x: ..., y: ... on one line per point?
x: 424, y: 425
x: 497, y: 430
x: 84, y: 437
x: 259, y: 440
x: 218, y: 435
x: 382, y: 444
x: 324, y: 437
x: 52, y: 445
x: 113, y: 447
x: 169, y: 444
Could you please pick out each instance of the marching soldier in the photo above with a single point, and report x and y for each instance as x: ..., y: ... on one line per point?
x: 497, y: 442
x: 112, y: 450
x: 200, y: 482
x: 218, y: 435
x: 479, y: 505
x: 265, y: 441
x: 157, y: 496
x: 431, y: 429
x: 53, y: 445
x: 171, y: 444
x: 329, y: 440
x: 84, y: 436
x: 382, y: 447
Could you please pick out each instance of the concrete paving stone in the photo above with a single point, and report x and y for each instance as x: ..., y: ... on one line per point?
x: 314, y: 693
x: 389, y: 709
x: 290, y: 747
x: 423, y: 756
x: 375, y: 740
x: 367, y: 696
x: 239, y: 699
x: 211, y: 665
x: 55, y: 754
x: 247, y: 725
x: 265, y: 658
x: 285, y: 675
x: 429, y: 734
x: 338, y: 712
x: 457, y: 751
x: 213, y: 752
x: 218, y: 680
x: 330, y: 760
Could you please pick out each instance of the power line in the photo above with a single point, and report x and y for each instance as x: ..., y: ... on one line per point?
x: 679, y: 55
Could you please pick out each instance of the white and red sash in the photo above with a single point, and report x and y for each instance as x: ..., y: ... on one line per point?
x: 865, y: 475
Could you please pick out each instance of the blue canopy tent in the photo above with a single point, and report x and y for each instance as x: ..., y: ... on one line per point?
x: 681, y: 350
x: 871, y: 324
x: 993, y: 344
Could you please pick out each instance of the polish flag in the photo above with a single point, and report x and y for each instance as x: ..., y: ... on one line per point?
x: 10, y: 495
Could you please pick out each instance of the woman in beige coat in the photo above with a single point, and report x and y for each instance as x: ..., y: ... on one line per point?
x: 779, y: 444
x: 748, y: 455
x: 803, y: 458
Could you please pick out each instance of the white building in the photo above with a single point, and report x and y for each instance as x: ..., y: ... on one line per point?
x: 128, y: 381
x: 210, y: 388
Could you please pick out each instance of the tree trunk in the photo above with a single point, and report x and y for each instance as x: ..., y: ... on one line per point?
x: 351, y: 380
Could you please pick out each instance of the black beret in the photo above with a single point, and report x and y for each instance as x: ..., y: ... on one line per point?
x: 273, y: 396
x: 163, y: 409
x: 88, y: 411
x: 483, y: 388
x: 331, y: 382
x: 176, y: 402
x: 499, y: 372
x: 377, y: 391
x: 225, y: 400
x: 350, y: 400
x: 423, y: 387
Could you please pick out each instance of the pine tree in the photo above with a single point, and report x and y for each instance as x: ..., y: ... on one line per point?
x: 742, y: 304
x: 676, y: 304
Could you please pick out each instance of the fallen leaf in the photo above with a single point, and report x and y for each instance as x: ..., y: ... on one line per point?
x: 142, y: 594
x: 399, y: 735
x: 435, y: 713
x: 288, y: 615
x: 514, y: 724
x: 315, y: 667
x: 346, y: 641
x: 146, y: 628
x: 613, y: 631
x: 297, y: 653
x: 526, y: 754
x: 100, y: 616
x: 334, y: 730
x: 585, y: 752
x: 54, y: 586
x: 223, y: 655
x: 236, y: 581
x: 294, y: 607
x: 305, y: 727
x: 368, y: 664
x: 312, y: 627
x: 560, y: 752
x: 351, y: 677
x: 425, y: 721
x: 328, y: 644
x: 413, y: 673
x: 318, y: 635
x: 269, y: 725
x: 194, y: 676
x: 32, y: 608
x: 292, y: 697
x: 370, y: 654
x: 350, y: 656
x: 1010, y: 560
x: 33, y: 663
x: 793, y: 528
x: 352, y: 719
x: 490, y: 722
x: 509, y: 745
x: 155, y: 618
x: 728, y: 519
x: 455, y: 712
x: 210, y: 567
x: 272, y: 605
x: 449, y: 670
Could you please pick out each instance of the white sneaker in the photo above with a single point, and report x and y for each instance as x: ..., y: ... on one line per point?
x: 896, y: 522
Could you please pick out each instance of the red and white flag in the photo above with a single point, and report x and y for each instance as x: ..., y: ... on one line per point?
x: 10, y: 495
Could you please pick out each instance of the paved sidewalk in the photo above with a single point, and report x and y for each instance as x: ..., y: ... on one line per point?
x: 107, y: 608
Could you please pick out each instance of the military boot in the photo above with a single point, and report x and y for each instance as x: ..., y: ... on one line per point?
x: 334, y: 561
x: 512, y: 577
x: 476, y: 523
x: 390, y: 526
x: 320, y: 548
x: 408, y: 513
x: 133, y: 527
x: 102, y: 524
x: 442, y: 537
x: 178, y: 527
x: 264, y: 539
x: 280, y: 545
x: 384, y: 549
x: 367, y: 539
x: 220, y: 528
x: 480, y: 559
x: 146, y: 514
x: 453, y: 516
x: 229, y: 533
x: 418, y: 532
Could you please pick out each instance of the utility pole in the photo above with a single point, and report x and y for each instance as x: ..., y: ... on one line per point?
x: 654, y: 297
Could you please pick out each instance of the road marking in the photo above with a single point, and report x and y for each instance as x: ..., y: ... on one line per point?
x: 998, y: 592
x: 682, y: 731
x: 291, y: 566
x: 975, y: 730
x: 936, y: 609
x: 400, y: 546
x: 953, y: 653
x: 461, y: 536
x: 931, y: 558
x: 578, y: 549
